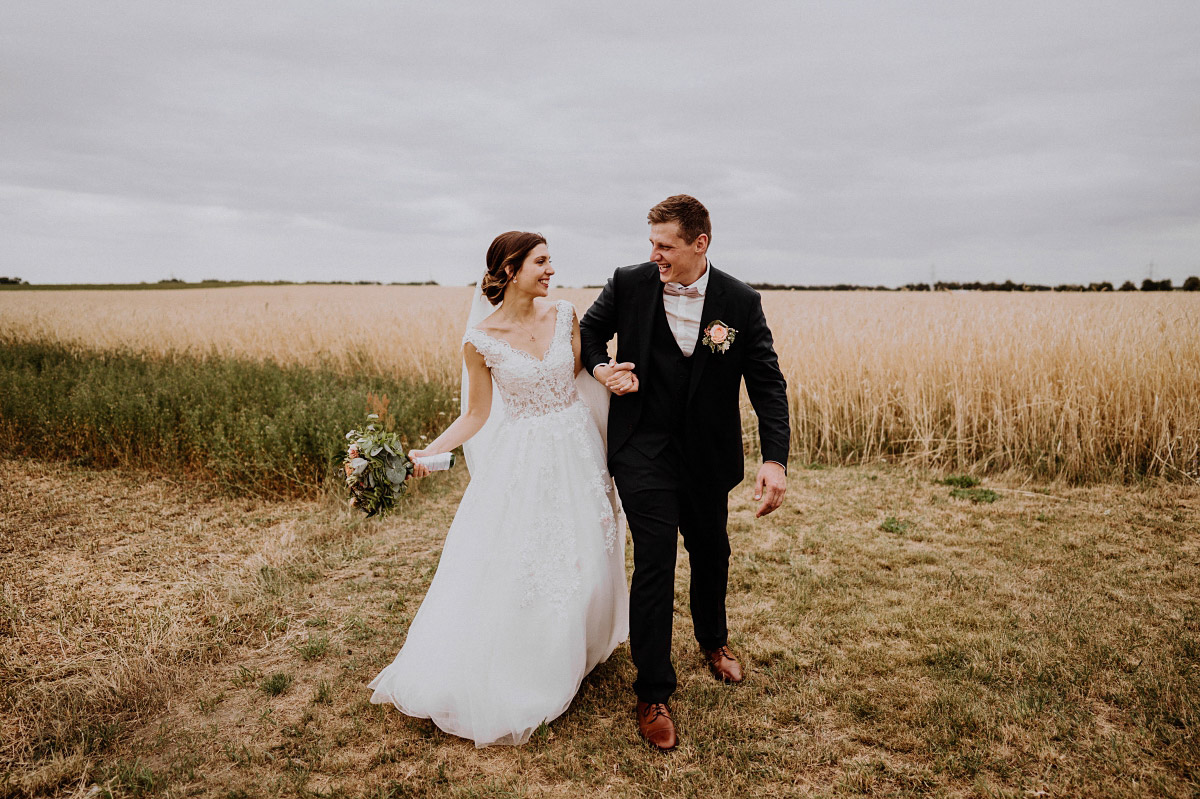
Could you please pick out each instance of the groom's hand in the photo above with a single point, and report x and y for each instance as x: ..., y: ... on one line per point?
x: 769, y: 486
x: 618, y: 377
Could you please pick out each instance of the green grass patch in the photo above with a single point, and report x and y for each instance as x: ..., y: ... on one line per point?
x: 960, y: 481
x: 315, y: 647
x: 276, y: 684
x: 244, y: 677
x: 125, y: 778
x: 324, y: 693
x: 893, y: 525
x: 256, y: 427
x: 976, y: 495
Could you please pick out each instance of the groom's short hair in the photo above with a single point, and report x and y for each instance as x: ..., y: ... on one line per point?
x: 688, y: 212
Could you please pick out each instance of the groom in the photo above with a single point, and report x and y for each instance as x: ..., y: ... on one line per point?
x: 687, y: 335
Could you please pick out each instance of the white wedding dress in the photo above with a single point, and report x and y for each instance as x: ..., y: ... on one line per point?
x: 530, y: 592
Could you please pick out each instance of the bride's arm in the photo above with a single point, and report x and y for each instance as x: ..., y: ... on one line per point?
x: 479, y: 404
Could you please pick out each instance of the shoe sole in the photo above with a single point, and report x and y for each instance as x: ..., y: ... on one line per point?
x: 722, y: 678
x: 658, y: 748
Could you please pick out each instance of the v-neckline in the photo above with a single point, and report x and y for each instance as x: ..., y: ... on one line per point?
x: 527, y: 354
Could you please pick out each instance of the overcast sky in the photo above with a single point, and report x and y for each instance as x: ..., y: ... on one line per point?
x: 865, y: 142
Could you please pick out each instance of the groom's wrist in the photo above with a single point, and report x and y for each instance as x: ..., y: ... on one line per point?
x: 594, y: 368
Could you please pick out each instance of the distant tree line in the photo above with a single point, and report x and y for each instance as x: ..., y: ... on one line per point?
x: 1191, y: 284
x: 174, y: 282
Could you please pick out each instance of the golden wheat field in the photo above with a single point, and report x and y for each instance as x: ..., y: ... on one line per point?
x: 1077, y: 386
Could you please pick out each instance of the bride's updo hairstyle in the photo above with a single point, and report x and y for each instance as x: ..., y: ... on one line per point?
x: 507, y: 249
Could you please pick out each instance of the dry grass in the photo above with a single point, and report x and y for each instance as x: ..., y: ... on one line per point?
x: 899, y: 641
x: 1084, y: 387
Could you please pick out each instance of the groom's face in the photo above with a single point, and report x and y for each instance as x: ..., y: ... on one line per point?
x: 678, y: 260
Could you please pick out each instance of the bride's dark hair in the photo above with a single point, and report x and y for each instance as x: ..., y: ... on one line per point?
x: 509, y: 248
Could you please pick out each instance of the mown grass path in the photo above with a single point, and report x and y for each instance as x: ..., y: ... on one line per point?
x: 158, y: 638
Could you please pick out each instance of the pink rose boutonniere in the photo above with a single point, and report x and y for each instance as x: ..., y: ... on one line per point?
x: 718, y: 336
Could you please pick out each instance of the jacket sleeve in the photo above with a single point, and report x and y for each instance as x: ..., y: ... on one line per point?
x: 598, y: 326
x: 767, y: 388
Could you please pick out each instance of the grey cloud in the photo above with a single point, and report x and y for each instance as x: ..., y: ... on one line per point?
x: 849, y: 141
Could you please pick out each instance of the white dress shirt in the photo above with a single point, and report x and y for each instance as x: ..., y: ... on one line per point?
x: 683, y: 313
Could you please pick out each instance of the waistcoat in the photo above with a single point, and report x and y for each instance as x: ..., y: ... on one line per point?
x: 663, y: 388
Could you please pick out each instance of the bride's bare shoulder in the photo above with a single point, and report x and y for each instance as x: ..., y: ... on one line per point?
x: 497, y: 324
x: 492, y: 326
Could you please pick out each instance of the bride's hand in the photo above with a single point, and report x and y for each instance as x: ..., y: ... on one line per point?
x: 419, y: 469
x: 621, y: 379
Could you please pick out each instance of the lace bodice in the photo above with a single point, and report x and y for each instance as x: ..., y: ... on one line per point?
x: 530, y: 387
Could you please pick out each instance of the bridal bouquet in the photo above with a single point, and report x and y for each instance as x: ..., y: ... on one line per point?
x: 376, y: 468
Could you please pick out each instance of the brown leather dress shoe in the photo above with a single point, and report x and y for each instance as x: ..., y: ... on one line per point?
x: 655, y: 725
x: 723, y: 664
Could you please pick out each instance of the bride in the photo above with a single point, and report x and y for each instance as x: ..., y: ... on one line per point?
x: 530, y: 591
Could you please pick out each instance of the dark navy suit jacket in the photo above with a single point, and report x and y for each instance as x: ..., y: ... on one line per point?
x: 711, y: 414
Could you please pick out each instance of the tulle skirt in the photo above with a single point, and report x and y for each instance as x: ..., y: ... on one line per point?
x: 530, y: 592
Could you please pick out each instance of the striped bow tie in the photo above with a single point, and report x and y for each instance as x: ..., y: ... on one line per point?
x: 676, y: 290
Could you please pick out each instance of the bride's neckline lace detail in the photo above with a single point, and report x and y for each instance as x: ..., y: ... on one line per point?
x: 553, y: 336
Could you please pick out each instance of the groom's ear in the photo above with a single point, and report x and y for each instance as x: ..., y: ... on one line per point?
x: 701, y: 243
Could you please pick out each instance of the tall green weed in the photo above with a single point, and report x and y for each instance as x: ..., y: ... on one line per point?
x: 256, y: 427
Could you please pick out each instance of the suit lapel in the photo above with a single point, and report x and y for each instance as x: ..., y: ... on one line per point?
x: 649, y: 305
x: 714, y: 307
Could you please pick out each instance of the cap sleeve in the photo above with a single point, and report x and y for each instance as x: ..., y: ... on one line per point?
x: 485, y: 344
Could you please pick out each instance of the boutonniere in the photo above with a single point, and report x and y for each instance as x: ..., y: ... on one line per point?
x: 718, y: 336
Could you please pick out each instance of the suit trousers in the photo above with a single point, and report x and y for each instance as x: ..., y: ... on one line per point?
x: 663, y: 498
